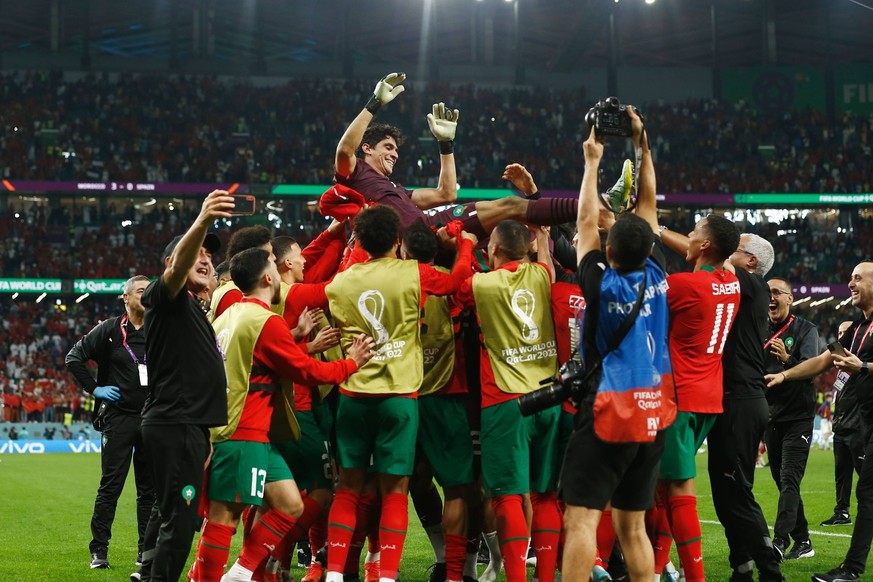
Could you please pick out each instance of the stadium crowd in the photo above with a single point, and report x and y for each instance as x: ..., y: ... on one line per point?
x: 202, y: 129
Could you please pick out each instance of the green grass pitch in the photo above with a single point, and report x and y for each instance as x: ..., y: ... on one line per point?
x: 46, y: 504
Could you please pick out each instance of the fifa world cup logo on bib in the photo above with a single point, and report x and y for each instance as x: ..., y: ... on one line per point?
x: 523, y: 305
x: 371, y: 305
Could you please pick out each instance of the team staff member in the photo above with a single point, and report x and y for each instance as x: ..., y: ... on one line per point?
x: 792, y: 411
x: 117, y: 345
x: 377, y: 414
x: 848, y: 445
x: 853, y: 375
x: 187, y: 387
x: 246, y: 467
x: 368, y: 171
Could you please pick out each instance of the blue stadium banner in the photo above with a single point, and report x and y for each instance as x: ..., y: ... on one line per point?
x: 39, y: 447
x: 853, y: 89
x: 774, y: 89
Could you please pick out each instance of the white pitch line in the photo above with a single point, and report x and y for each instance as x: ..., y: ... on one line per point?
x: 812, y: 532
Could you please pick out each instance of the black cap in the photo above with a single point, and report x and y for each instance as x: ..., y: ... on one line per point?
x: 211, y: 243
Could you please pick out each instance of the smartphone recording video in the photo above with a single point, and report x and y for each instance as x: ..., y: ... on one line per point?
x: 243, y: 205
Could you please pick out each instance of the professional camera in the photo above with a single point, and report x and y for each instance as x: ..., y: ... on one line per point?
x: 610, y: 118
x: 567, y: 383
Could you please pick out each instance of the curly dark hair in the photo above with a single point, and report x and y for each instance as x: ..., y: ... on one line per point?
x: 377, y: 132
x: 378, y: 229
x: 420, y: 242
x: 248, y: 238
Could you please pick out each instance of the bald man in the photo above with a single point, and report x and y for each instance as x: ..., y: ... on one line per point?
x: 854, y: 379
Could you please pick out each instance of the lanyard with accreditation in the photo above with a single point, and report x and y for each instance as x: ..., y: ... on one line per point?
x: 141, y: 366
x: 842, y: 375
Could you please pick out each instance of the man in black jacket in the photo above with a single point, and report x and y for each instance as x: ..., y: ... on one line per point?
x: 117, y: 345
x: 848, y: 446
x: 792, y: 411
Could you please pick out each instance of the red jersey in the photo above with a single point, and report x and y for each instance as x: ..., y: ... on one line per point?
x: 567, y: 307
x: 277, y: 356
x: 232, y: 296
x: 703, y: 306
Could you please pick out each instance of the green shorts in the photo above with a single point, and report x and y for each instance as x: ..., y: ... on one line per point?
x: 519, y: 453
x: 683, y: 439
x: 444, y: 437
x: 309, y: 457
x: 324, y: 417
x: 383, y: 429
x: 239, y: 470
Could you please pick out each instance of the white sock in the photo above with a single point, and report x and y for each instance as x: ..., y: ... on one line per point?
x: 493, y: 544
x: 372, y: 557
x: 334, y: 577
x: 437, y: 541
x: 470, y: 565
x: 237, y: 572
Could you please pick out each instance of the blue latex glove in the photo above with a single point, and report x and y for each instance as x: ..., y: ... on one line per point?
x: 111, y: 393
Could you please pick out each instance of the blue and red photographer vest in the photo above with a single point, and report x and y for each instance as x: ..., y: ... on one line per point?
x: 635, y: 396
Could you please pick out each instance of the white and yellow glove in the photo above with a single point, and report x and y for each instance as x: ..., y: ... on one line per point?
x: 443, y: 124
x: 388, y: 87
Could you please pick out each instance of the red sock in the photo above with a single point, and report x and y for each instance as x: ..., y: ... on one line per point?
x: 605, y: 537
x: 212, y: 552
x: 367, y: 519
x: 686, y: 531
x: 249, y: 515
x: 340, y: 527
x: 545, y: 534
x: 266, y: 534
x: 512, y: 532
x: 661, y: 535
x: 392, y: 533
x: 311, y: 510
x: 456, y: 555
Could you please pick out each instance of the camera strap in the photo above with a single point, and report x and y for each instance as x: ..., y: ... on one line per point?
x: 628, y: 321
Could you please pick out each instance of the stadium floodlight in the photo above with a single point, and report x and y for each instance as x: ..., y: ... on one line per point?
x: 650, y: 1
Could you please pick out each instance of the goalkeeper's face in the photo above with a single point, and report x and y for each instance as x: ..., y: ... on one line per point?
x: 382, y: 156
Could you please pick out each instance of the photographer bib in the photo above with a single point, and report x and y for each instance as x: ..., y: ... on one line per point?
x: 635, y: 395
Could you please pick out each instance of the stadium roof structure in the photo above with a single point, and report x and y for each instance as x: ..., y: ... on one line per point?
x: 554, y: 35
